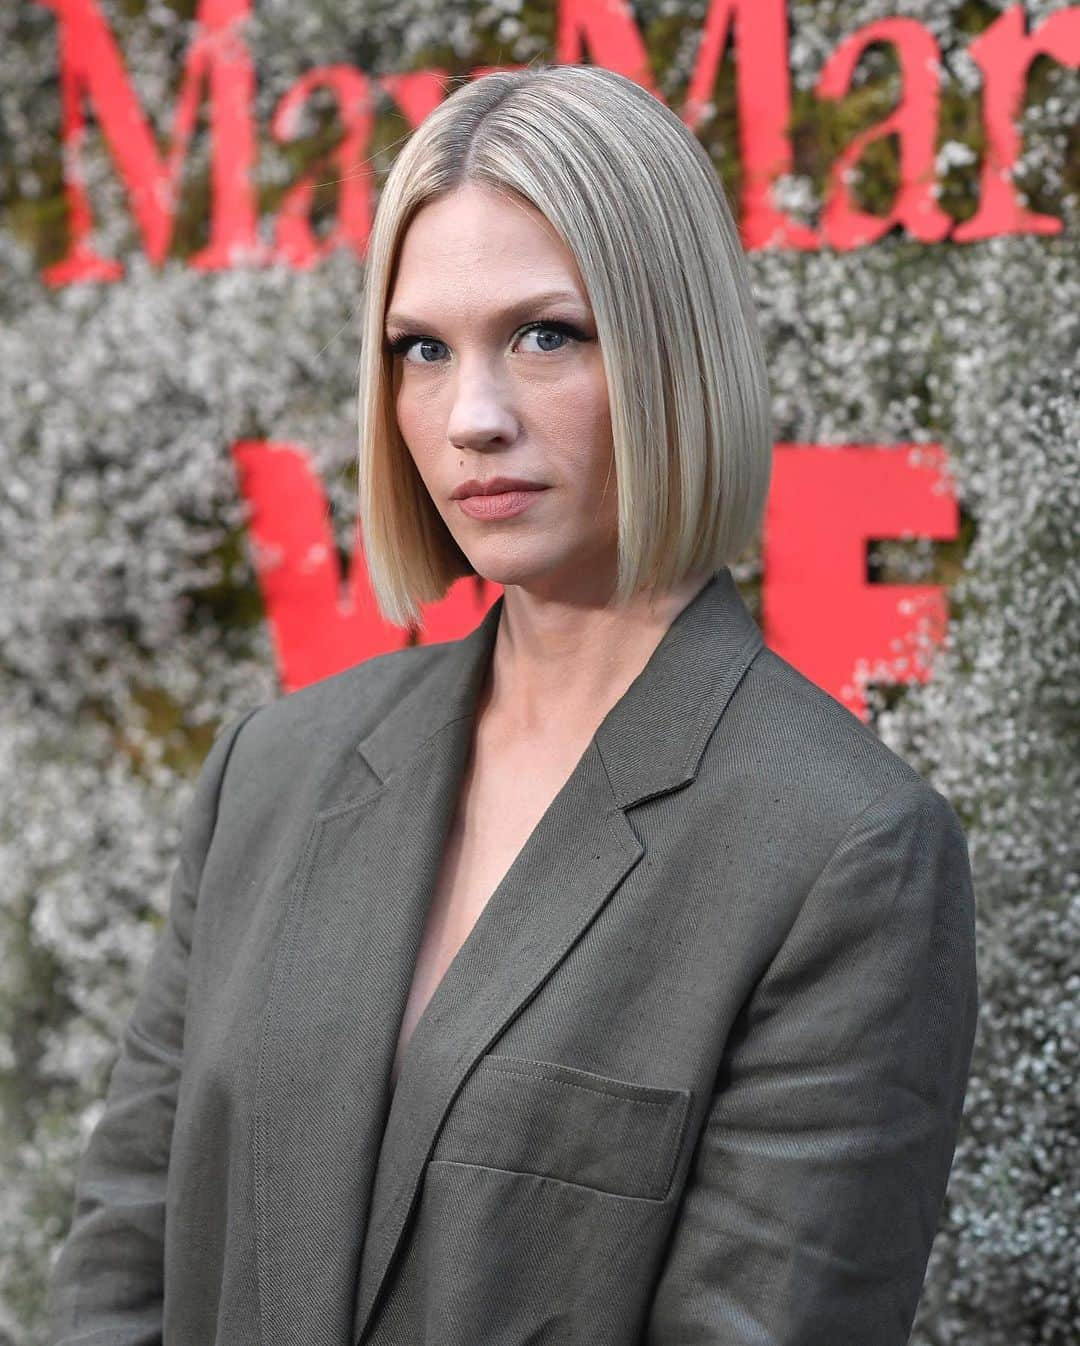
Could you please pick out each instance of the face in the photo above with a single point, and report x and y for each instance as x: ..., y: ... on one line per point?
x: 497, y: 372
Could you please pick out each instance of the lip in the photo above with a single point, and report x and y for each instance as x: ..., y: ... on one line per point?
x: 499, y: 504
x: 494, y: 486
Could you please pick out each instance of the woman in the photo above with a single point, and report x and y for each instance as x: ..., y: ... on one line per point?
x: 595, y: 978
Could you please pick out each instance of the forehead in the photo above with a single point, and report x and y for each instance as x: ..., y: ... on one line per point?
x: 481, y: 241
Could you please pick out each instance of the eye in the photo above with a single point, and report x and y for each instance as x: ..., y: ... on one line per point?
x: 562, y: 329
x: 401, y: 345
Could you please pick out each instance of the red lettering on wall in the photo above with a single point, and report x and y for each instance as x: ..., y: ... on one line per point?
x: 763, y: 100
x: 91, y: 67
x: 348, y: 165
x: 913, y: 121
x: 417, y: 93
x: 317, y: 629
x: 218, y: 64
x: 818, y: 610
x: 1004, y: 53
x: 611, y: 35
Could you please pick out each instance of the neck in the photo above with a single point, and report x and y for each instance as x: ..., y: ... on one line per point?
x: 566, y: 662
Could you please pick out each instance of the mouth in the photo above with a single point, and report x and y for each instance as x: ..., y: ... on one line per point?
x: 499, y: 504
x: 495, y: 486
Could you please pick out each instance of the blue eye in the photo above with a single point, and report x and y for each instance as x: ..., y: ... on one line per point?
x: 563, y: 329
x: 401, y: 345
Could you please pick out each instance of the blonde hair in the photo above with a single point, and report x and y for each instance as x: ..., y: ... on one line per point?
x: 638, y: 203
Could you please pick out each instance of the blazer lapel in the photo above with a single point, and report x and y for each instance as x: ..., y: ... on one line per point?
x: 570, y: 865
x: 650, y: 742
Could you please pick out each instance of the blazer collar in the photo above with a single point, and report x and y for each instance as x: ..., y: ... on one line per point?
x: 652, y: 738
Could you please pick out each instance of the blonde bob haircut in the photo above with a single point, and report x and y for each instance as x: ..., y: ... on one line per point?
x: 637, y: 202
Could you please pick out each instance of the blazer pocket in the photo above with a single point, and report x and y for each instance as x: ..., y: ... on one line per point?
x: 561, y: 1122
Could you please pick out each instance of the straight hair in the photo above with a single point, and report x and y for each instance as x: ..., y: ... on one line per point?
x: 640, y: 206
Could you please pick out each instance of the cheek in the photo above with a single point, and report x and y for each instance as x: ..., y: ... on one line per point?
x: 409, y: 410
x: 580, y: 412
x: 419, y: 433
x: 422, y: 425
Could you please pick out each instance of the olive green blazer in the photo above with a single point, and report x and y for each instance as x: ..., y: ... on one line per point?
x: 696, y: 1074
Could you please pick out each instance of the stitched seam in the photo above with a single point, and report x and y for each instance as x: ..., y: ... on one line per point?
x: 850, y: 827
x: 709, y: 712
x: 663, y: 1156
x: 664, y: 1153
x: 337, y: 809
x: 197, y: 894
x: 585, y: 1088
x: 404, y: 762
x: 285, y: 951
x: 547, y: 1177
x: 225, y: 765
x: 675, y: 1143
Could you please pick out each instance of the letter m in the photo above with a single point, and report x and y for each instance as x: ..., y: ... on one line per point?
x: 92, y: 69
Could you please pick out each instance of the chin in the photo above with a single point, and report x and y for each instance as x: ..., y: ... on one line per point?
x: 538, y: 568
x: 507, y: 571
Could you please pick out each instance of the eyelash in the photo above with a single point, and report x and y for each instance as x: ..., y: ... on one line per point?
x: 400, y: 344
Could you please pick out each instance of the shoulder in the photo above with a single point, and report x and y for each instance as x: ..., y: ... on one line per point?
x: 351, y: 701
x: 293, y: 747
x: 818, y: 741
x: 807, y: 767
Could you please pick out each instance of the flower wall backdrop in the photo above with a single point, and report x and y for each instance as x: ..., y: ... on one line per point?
x: 133, y: 621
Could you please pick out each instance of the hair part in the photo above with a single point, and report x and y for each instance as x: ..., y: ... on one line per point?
x: 638, y: 203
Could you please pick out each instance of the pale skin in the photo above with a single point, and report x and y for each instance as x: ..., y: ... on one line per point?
x: 477, y: 396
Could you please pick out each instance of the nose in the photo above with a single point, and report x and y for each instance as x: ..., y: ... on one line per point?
x: 480, y: 410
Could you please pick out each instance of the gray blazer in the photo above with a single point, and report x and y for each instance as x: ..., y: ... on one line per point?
x: 696, y: 1074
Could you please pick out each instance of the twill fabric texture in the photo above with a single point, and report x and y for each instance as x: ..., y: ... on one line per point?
x: 695, y: 1076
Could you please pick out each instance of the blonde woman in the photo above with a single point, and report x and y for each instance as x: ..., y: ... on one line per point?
x: 593, y: 979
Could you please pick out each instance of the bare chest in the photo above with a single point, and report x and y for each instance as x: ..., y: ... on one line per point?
x: 503, y: 797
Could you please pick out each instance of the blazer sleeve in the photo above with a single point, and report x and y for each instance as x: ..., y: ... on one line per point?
x: 817, y: 1185
x: 106, y: 1285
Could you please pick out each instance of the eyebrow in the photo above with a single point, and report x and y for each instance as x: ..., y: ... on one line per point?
x: 519, y: 307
